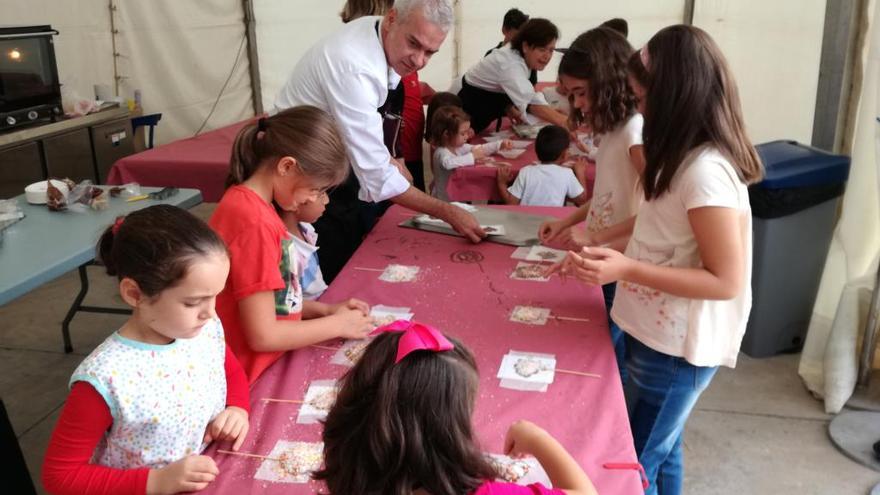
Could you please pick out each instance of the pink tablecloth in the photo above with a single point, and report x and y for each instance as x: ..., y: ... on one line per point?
x: 478, y: 183
x: 200, y: 162
x: 470, y: 300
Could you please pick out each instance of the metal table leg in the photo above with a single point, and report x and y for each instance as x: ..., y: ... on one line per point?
x: 78, y: 306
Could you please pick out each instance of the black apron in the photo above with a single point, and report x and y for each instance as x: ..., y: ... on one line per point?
x: 483, y: 106
x: 347, y: 219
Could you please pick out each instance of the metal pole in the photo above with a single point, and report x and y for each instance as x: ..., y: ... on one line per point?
x: 456, y: 40
x: 835, y: 73
x: 253, y: 56
x: 869, y: 340
x: 113, y: 33
x: 688, y: 17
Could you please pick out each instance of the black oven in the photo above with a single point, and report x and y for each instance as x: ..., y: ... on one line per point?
x: 29, y: 86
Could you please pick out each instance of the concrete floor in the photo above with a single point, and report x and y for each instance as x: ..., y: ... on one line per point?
x: 755, y: 431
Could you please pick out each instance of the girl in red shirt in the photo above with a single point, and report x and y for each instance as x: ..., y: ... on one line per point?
x: 290, y: 160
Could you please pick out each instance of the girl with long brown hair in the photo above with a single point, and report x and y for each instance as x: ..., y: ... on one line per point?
x: 593, y: 71
x: 685, y: 278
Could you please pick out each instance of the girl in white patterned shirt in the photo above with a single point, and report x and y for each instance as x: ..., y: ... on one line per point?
x: 148, y: 399
x: 685, y: 278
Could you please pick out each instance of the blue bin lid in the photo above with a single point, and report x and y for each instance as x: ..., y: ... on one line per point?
x: 789, y: 164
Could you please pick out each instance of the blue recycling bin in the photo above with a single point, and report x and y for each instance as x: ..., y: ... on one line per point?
x: 794, y: 211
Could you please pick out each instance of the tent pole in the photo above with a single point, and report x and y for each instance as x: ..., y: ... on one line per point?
x: 840, y: 51
x: 253, y: 57
x: 113, y: 33
x: 688, y: 16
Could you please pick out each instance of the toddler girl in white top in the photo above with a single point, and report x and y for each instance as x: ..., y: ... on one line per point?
x: 449, y: 131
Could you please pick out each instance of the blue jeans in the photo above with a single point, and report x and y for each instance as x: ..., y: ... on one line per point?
x: 662, y: 392
x: 617, y: 334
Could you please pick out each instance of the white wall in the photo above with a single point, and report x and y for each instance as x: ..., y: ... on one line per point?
x: 773, y: 48
x: 285, y: 30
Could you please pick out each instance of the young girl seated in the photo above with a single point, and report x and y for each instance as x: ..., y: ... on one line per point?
x: 550, y: 182
x: 305, y: 241
x: 145, y: 402
x: 401, y: 425
x: 439, y: 100
x: 450, y: 131
x: 290, y: 160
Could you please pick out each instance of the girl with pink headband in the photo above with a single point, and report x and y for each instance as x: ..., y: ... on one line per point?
x: 402, y: 425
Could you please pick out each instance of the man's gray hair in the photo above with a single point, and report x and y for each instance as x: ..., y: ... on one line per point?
x: 438, y: 12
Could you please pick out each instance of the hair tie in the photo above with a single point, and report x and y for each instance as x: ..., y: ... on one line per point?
x: 261, y: 124
x: 416, y: 337
x: 643, y: 55
x: 117, y: 224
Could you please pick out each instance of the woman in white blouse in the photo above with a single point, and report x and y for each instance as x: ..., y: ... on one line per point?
x: 499, y: 84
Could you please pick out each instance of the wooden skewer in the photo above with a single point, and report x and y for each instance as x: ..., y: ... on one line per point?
x: 579, y: 373
x: 285, y: 401
x: 369, y: 269
x: 324, y: 347
x: 570, y: 318
x: 245, y: 454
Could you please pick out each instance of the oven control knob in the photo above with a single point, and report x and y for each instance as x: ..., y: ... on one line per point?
x: 32, y: 115
x: 11, y: 120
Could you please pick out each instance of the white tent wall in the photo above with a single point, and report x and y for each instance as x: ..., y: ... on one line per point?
x: 285, y: 31
x: 83, y: 49
x: 774, y: 50
x: 179, y: 54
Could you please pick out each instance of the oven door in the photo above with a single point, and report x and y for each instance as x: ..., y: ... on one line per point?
x: 28, y: 74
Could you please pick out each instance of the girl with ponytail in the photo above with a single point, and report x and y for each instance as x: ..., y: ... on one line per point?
x: 288, y: 160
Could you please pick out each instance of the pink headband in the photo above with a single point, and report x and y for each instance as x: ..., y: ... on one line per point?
x: 416, y: 337
x: 117, y: 224
x: 643, y: 55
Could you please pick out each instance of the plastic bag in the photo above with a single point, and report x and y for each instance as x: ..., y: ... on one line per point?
x: 9, y: 214
x: 126, y: 190
x: 87, y: 194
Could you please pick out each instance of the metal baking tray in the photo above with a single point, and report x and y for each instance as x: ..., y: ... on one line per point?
x: 521, y: 229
